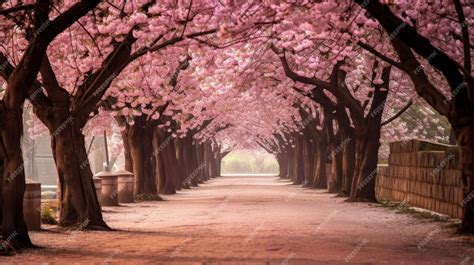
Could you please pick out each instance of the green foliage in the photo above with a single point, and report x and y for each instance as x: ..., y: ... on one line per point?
x: 243, y: 161
x: 47, y: 216
x: 401, y: 208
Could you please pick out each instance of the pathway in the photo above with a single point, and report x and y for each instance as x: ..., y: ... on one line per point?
x: 254, y: 220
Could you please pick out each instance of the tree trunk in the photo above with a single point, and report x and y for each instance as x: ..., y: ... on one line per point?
x: 208, y: 158
x: 194, y: 177
x: 465, y: 140
x: 363, y: 186
x: 140, y: 141
x: 292, y: 171
x: 320, y: 178
x: 183, y: 168
x: 166, y: 166
x: 201, y: 161
x: 173, y: 179
x: 299, y: 177
x: 347, y: 148
x: 282, y: 165
x: 2, y: 163
x: 214, y: 151
x: 13, y: 222
x: 218, y: 163
x: 348, y: 161
x: 337, y: 163
x: 79, y: 203
x: 368, y: 143
x: 206, y: 169
x: 191, y: 163
x: 126, y: 148
x: 329, y: 139
x: 309, y: 155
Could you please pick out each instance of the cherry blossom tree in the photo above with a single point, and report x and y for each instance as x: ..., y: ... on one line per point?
x: 433, y: 46
x: 40, y: 31
x: 91, y: 54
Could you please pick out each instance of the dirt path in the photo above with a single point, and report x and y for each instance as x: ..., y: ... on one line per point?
x: 253, y: 220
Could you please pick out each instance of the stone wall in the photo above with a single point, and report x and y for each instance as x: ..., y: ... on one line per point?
x: 422, y: 174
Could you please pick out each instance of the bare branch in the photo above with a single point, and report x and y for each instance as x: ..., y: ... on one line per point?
x: 7, y: 11
x: 380, y: 55
x: 400, y: 112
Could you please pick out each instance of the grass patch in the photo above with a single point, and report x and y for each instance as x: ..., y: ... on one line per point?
x: 402, y: 208
x: 47, y: 216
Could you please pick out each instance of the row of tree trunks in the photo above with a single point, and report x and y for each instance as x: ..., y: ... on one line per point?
x: 162, y: 163
x: 298, y: 160
x: 360, y: 134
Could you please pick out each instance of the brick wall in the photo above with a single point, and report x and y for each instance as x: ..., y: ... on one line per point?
x: 422, y: 174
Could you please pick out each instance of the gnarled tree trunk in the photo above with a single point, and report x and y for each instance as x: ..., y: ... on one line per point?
x: 79, y: 203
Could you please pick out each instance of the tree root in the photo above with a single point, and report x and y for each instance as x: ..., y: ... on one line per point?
x: 148, y: 197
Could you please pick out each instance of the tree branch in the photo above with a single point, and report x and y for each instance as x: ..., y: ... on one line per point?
x: 55, y: 92
x: 420, y: 44
x: 400, y: 112
x: 380, y: 55
x: 297, y: 77
x: 66, y: 19
x: 95, y: 86
x: 421, y: 82
x: 169, y: 42
x: 7, y: 11
x: 34, y: 92
x: 465, y: 35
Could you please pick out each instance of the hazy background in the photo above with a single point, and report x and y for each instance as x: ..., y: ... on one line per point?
x: 249, y: 161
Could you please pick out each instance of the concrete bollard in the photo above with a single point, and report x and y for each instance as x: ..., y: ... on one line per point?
x: 109, y: 188
x: 98, y: 189
x: 126, y: 186
x: 32, y: 205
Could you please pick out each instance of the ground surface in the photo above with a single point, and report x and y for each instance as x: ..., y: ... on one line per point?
x: 253, y: 220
